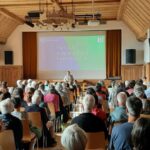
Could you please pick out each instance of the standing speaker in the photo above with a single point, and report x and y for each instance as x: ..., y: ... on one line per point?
x: 130, y: 56
x: 8, y: 57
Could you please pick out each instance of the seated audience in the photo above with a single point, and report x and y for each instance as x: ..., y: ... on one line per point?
x: 52, y: 97
x: 130, y: 88
x: 147, y: 91
x: 141, y: 134
x: 119, y: 112
x: 17, y: 105
x: 18, y: 93
x: 28, y: 95
x: 146, y: 109
x: 74, y: 138
x: 97, y: 110
x: 88, y: 121
x: 121, y: 134
x: 11, y: 122
x: 47, y: 125
x: 139, y: 92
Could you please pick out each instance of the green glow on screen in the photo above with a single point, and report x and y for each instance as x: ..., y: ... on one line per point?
x: 87, y: 51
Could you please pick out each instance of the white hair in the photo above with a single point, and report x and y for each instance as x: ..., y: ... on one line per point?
x: 88, y: 102
x: 36, y: 99
x: 19, y: 83
x: 59, y: 87
x: 6, y: 106
x: 33, y: 84
x: 122, y: 97
x: 74, y: 138
x: 138, y: 91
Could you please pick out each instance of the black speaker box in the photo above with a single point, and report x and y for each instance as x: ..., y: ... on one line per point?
x: 130, y: 56
x: 33, y: 14
x: 8, y: 57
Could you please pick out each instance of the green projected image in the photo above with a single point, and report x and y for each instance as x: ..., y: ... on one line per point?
x: 88, y: 52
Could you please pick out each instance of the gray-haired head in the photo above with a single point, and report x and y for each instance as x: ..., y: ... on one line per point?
x: 138, y: 91
x: 36, y: 99
x: 121, y: 98
x: 88, y: 102
x: 134, y: 106
x: 74, y: 138
x: 59, y: 86
x: 6, y: 106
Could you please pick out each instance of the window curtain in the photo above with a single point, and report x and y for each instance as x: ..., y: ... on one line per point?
x: 29, y: 55
x: 113, y: 53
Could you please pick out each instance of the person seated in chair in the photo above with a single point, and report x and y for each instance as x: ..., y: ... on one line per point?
x: 121, y: 134
x: 74, y: 138
x: 11, y: 122
x: 88, y: 121
x: 119, y: 112
x: 47, y: 125
x: 141, y: 134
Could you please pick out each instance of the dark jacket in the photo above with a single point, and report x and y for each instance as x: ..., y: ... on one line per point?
x: 15, y: 125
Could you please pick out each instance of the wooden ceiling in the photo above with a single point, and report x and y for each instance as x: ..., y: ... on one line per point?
x: 135, y: 13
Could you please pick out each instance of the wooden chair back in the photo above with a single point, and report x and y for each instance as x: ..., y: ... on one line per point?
x: 145, y: 116
x: 51, y: 109
x: 27, y: 135
x: 96, y: 140
x: 35, y: 118
x: 7, y: 140
x: 71, y: 96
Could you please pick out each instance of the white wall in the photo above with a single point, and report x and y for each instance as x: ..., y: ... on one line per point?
x: 147, y: 48
x: 14, y: 42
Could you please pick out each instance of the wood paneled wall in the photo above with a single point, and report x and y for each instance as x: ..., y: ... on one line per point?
x: 132, y: 72
x: 147, y: 71
x: 128, y: 72
x: 11, y: 74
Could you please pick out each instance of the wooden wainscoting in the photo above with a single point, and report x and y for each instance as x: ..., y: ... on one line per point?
x: 147, y: 71
x: 11, y: 74
x: 132, y: 72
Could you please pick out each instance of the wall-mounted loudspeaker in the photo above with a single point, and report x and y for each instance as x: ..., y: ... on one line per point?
x: 8, y: 57
x: 130, y: 56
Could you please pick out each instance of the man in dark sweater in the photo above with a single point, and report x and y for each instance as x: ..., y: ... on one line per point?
x: 88, y: 121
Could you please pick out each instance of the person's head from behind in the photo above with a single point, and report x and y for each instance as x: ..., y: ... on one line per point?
x: 74, y: 138
x: 88, y: 103
x: 146, y: 108
x: 6, y: 106
x: 138, y: 91
x: 17, y: 102
x: 90, y: 91
x: 134, y: 106
x: 141, y: 134
x: 121, y: 98
x: 36, y: 99
x: 17, y: 92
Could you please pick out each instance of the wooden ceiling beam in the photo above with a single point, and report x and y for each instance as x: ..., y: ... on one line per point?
x: 63, y: 3
x: 122, y: 7
x: 11, y: 15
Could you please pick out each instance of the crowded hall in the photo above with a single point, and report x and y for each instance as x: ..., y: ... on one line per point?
x: 74, y: 75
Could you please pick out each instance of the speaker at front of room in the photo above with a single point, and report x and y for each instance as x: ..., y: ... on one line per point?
x: 130, y: 56
x: 8, y: 57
